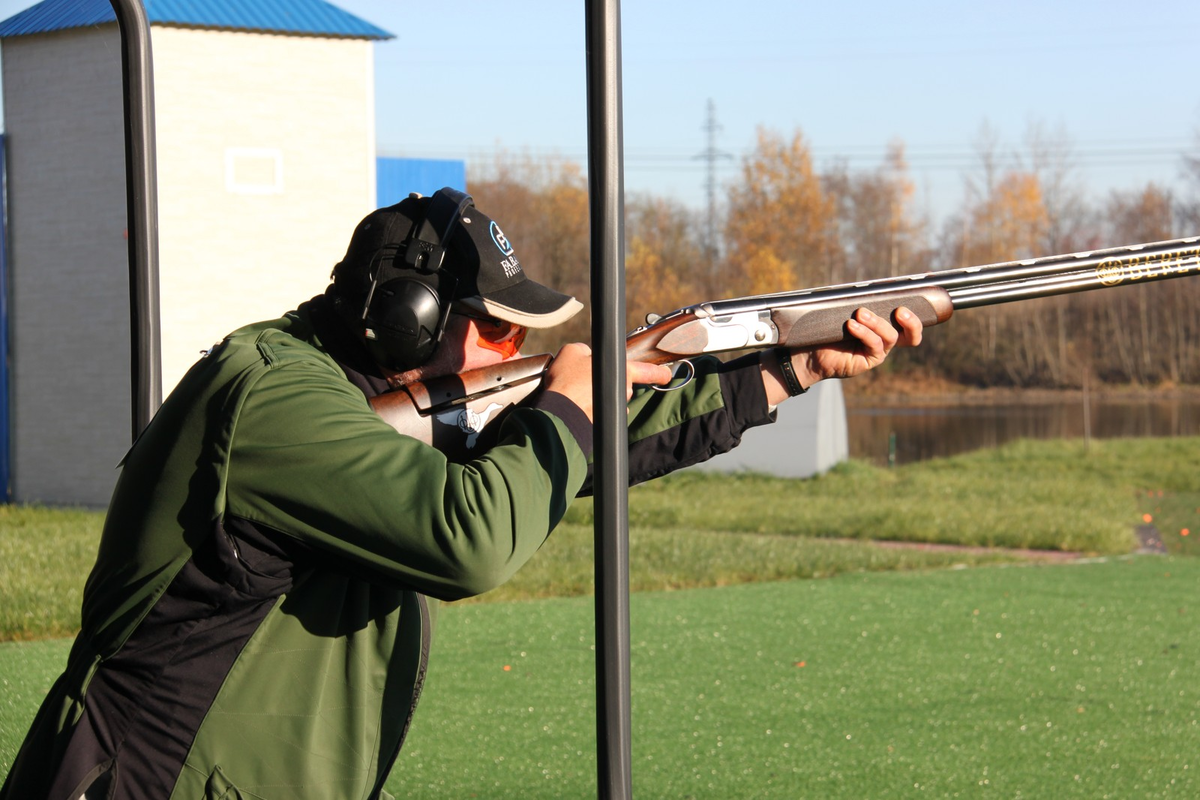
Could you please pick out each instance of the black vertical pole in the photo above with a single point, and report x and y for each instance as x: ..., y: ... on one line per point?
x: 606, y: 199
x: 141, y: 197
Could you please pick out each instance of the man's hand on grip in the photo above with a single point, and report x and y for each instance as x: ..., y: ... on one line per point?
x: 570, y: 374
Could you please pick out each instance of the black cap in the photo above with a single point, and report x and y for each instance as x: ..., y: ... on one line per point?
x: 480, y: 269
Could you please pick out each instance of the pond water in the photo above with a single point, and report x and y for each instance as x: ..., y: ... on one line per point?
x: 933, y: 431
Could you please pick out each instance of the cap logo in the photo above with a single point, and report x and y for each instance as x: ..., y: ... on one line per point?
x: 509, y: 263
x: 500, y: 239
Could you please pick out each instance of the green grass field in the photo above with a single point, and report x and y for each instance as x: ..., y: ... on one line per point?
x: 1032, y: 681
x: 1061, y: 681
x: 1176, y: 516
x: 45, y: 555
x: 1045, y: 495
x: 899, y: 675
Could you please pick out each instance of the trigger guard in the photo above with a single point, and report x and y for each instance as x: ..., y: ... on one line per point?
x: 691, y: 374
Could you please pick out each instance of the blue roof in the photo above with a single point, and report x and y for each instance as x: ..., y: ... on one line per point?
x: 311, y: 17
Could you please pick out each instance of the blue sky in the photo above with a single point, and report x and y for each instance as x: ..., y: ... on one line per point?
x: 464, y: 79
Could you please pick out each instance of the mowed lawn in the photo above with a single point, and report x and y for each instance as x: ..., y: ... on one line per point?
x: 1065, y: 680
x: 899, y: 672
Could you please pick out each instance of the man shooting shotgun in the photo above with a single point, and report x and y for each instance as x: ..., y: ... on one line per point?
x: 259, y: 618
x: 452, y: 411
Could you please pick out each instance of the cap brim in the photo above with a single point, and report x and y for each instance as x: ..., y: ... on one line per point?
x: 527, y: 303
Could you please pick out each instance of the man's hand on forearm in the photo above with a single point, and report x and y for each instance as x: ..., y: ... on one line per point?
x: 872, y: 339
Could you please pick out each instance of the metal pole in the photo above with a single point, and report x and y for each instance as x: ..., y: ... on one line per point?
x: 141, y: 192
x: 611, y: 477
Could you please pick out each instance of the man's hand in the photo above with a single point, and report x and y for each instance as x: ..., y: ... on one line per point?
x: 570, y: 374
x: 873, y: 338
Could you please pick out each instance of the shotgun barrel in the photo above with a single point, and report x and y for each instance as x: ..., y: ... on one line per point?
x: 815, y: 317
x: 1111, y: 267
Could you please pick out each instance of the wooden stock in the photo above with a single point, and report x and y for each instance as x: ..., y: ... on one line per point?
x: 824, y: 322
x: 453, y: 412
x: 643, y: 344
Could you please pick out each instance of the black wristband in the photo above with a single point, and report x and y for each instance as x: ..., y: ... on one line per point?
x: 790, y: 381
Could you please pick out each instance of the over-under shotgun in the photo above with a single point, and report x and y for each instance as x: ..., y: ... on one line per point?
x: 452, y: 412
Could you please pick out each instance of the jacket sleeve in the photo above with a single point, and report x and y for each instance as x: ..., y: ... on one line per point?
x: 706, y: 417
x: 308, y: 458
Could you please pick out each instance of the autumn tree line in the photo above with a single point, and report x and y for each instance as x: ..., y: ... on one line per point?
x: 787, y: 225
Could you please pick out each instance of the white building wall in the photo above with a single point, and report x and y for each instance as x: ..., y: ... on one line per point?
x: 68, y: 257
x: 265, y: 164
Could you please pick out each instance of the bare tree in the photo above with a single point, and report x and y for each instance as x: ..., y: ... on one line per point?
x: 1069, y: 222
x: 878, y: 231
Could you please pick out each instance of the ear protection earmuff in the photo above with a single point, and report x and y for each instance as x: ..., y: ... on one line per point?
x: 408, y: 299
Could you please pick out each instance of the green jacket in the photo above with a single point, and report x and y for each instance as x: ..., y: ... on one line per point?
x: 259, y: 617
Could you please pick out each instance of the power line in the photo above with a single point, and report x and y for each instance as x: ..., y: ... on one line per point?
x: 1133, y: 151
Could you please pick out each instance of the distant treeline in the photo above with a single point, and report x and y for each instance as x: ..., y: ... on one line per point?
x: 783, y: 225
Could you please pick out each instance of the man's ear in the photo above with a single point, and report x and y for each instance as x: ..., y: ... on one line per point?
x: 451, y: 354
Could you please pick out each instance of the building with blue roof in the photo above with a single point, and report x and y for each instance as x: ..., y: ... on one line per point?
x: 265, y: 132
x: 302, y: 17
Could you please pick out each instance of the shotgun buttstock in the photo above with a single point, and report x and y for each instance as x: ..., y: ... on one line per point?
x: 455, y: 413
